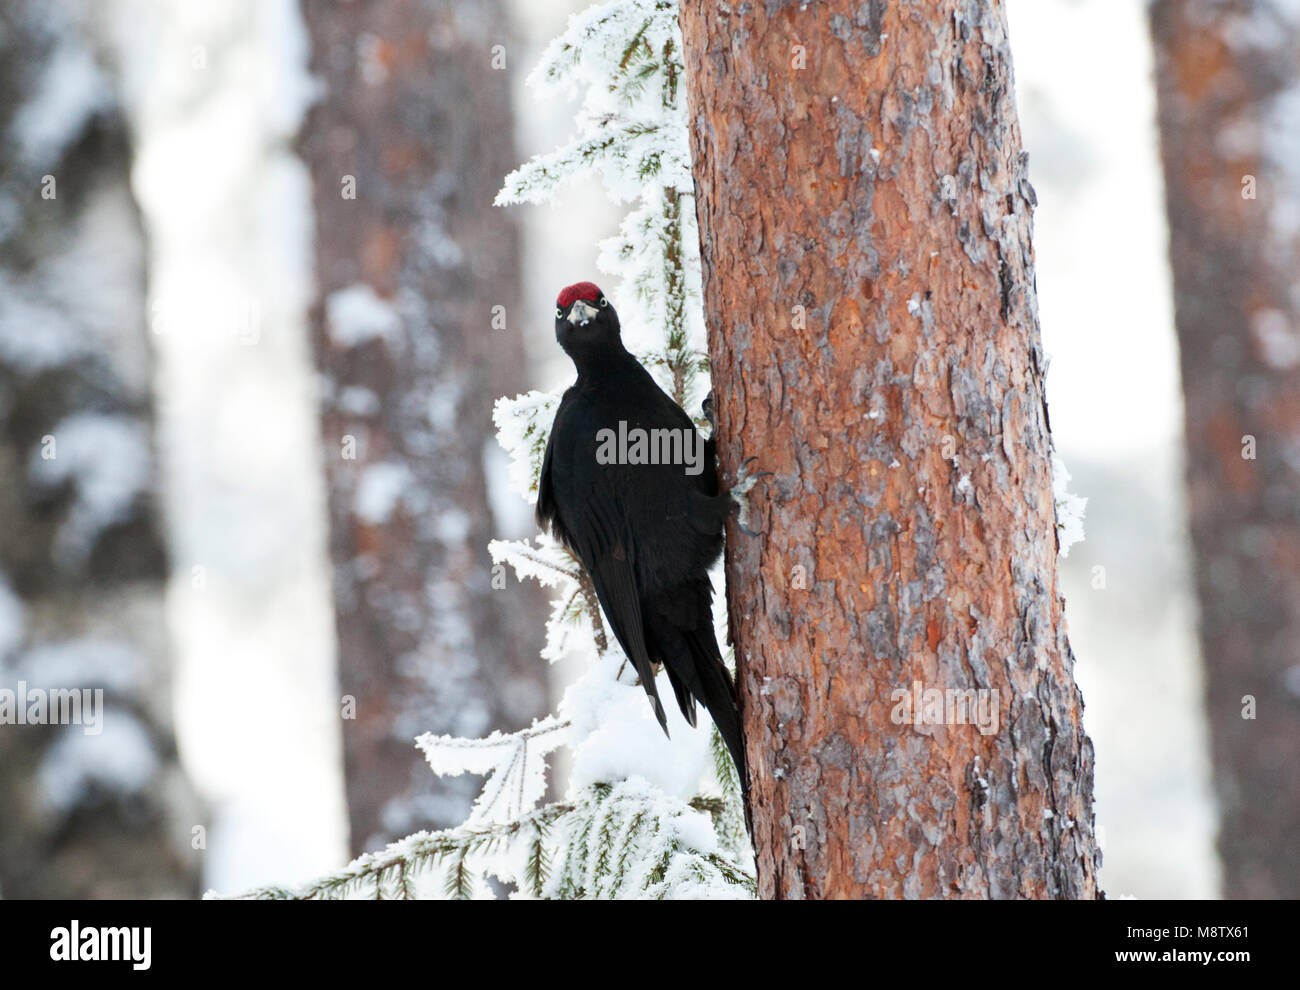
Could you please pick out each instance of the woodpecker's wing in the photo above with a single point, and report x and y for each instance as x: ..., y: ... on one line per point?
x: 585, y: 513
x: 545, y: 508
x: 608, y: 551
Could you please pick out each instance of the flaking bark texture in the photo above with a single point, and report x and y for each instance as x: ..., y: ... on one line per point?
x: 1229, y: 106
x: 416, y: 114
x: 869, y: 290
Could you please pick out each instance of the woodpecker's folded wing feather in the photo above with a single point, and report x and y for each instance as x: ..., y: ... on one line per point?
x: 606, y: 548
x: 545, y: 511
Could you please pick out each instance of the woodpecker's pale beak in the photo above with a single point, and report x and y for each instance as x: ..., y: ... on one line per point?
x: 582, y: 312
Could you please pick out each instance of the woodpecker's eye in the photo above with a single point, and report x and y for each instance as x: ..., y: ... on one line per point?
x: 604, y: 301
x: 558, y: 312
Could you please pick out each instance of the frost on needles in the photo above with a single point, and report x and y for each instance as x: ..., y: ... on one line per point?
x: 643, y: 816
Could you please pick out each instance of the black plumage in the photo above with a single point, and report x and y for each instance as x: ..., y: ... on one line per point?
x: 646, y: 533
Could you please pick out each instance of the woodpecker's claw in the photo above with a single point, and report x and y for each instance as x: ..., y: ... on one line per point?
x: 707, y: 408
x: 746, y: 480
x: 739, y: 492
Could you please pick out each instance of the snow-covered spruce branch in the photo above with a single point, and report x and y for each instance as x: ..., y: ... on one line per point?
x: 547, y: 563
x: 619, y: 840
x: 624, y: 60
x: 391, y: 874
x: 514, y: 763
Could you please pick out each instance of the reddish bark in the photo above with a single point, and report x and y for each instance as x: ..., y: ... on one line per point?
x: 868, y: 281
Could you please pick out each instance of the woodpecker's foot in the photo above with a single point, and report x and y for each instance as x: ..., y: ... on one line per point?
x: 745, y: 481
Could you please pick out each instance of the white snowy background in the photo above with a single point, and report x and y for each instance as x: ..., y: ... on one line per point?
x: 227, y: 209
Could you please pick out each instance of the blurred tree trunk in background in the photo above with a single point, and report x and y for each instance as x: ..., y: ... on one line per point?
x: 1228, y: 74
x: 407, y: 148
x: 82, y: 564
x: 869, y: 291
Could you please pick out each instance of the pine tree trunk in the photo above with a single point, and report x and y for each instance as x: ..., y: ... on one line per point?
x: 869, y: 290
x: 86, y: 810
x: 406, y: 148
x: 1229, y: 108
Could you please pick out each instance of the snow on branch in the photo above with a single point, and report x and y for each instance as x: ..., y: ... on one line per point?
x: 514, y: 763
x: 616, y: 841
x: 624, y: 60
x: 523, y: 425
x: 1069, y: 507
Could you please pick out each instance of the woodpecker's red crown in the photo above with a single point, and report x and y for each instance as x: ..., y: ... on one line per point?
x: 579, y: 290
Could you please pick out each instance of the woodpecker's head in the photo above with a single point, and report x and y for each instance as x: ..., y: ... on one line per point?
x: 585, y: 321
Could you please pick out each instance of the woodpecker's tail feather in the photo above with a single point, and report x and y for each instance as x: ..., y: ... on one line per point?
x: 697, y: 673
x: 717, y: 692
x: 685, y: 699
